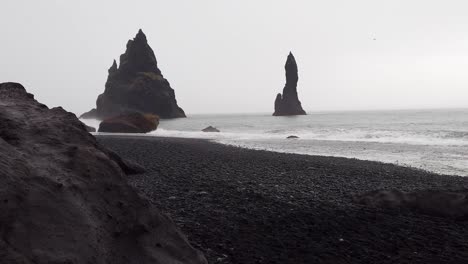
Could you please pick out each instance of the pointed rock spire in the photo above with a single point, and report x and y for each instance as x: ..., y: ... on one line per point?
x: 291, y: 72
x: 139, y: 57
x: 113, y: 68
x: 140, y: 36
x: 288, y: 103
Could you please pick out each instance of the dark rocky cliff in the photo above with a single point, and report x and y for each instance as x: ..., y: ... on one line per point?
x: 65, y: 199
x: 288, y: 103
x: 137, y: 85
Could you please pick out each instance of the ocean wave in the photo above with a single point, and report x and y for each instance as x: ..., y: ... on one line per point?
x: 91, y: 122
x: 396, y: 137
x: 354, y: 134
x: 455, y: 134
x: 434, y: 141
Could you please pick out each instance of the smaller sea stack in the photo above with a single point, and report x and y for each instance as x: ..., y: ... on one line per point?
x: 288, y: 103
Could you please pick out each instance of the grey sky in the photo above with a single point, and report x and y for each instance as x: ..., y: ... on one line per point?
x: 225, y: 56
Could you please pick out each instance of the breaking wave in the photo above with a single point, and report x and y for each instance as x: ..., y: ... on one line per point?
x: 439, y: 138
x: 434, y: 140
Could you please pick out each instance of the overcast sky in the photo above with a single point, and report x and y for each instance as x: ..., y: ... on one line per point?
x: 225, y: 56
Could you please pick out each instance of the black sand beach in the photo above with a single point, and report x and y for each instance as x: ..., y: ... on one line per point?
x: 247, y: 206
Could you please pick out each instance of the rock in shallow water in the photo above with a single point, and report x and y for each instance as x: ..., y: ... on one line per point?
x: 130, y: 123
x: 64, y: 199
x: 210, y: 129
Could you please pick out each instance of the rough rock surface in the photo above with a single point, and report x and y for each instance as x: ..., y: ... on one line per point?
x: 288, y: 103
x: 137, y: 85
x: 90, y: 128
x: 64, y: 199
x: 444, y: 203
x: 210, y: 129
x: 130, y: 123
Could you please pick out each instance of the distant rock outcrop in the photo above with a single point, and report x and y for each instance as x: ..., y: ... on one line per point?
x: 137, y: 85
x: 288, y: 103
x: 210, y: 129
x: 90, y: 114
x: 65, y: 199
x: 130, y: 123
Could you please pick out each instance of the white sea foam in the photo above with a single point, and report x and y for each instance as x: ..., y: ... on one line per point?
x: 432, y: 140
x: 397, y: 137
x: 91, y: 122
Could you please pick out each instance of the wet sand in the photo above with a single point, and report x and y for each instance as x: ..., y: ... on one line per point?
x: 250, y: 206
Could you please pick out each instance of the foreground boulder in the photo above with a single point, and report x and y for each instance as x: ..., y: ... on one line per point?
x: 288, y: 103
x: 210, y: 129
x: 441, y: 203
x: 137, y: 85
x: 130, y: 123
x: 65, y: 199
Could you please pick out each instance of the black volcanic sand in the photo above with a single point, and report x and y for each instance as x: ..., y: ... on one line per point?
x: 248, y: 206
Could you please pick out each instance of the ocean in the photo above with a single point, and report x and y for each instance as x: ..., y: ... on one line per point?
x: 432, y: 140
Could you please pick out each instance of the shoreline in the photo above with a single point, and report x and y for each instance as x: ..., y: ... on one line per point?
x: 219, y: 141
x: 252, y: 206
x: 331, y: 156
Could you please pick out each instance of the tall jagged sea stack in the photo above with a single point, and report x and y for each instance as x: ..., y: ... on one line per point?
x: 288, y: 103
x: 137, y: 85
